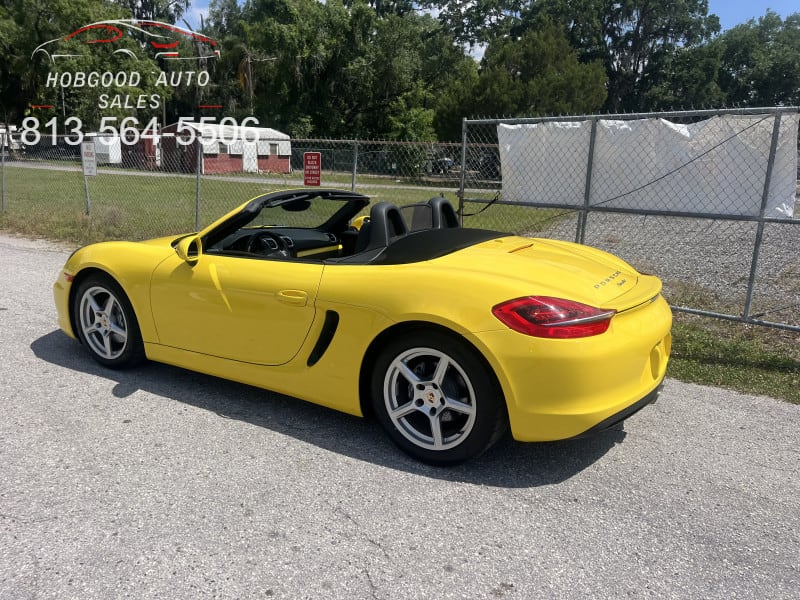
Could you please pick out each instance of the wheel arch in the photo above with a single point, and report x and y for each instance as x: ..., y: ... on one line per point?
x: 402, y: 329
x: 130, y: 351
x: 79, y: 278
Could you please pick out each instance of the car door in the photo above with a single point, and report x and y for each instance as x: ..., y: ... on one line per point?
x: 246, y: 309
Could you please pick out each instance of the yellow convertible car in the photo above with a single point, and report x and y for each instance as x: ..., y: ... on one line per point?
x: 448, y: 335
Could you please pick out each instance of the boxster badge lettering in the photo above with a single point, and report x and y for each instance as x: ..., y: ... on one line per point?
x: 609, y: 279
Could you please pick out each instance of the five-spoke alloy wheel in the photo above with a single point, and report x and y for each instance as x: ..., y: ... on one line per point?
x: 106, y: 324
x: 437, y: 400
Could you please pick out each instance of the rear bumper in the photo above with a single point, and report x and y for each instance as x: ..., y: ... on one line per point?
x: 623, y: 414
x: 561, y: 389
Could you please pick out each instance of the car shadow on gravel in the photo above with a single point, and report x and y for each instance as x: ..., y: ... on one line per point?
x: 508, y: 464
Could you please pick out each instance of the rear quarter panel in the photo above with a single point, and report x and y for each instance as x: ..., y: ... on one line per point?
x: 554, y: 388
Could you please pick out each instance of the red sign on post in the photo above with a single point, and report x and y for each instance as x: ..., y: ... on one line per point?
x: 312, y: 168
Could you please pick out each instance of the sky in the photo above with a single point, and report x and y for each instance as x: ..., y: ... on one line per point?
x: 192, y: 15
x: 730, y: 12
x: 735, y: 12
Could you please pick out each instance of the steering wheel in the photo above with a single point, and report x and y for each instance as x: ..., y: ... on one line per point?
x: 267, y: 243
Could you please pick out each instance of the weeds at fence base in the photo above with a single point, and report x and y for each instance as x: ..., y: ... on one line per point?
x: 105, y: 223
x: 752, y: 360
x: 683, y: 293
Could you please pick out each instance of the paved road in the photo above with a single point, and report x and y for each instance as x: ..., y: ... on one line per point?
x: 160, y: 483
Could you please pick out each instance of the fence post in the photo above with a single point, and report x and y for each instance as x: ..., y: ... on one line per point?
x: 3, y: 169
x: 461, y: 184
x: 583, y: 216
x: 199, y: 169
x: 86, y: 191
x: 773, y: 148
x: 355, y: 166
x: 88, y: 167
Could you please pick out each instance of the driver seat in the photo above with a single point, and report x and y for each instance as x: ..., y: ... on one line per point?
x: 385, y: 225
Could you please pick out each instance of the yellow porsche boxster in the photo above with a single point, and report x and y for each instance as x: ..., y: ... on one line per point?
x: 448, y: 335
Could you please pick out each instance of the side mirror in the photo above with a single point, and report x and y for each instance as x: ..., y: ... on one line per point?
x: 188, y: 249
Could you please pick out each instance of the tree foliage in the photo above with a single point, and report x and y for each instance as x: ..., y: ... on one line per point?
x: 478, y: 21
x: 538, y: 73
x: 168, y: 11
x: 633, y: 38
x: 760, y: 62
x: 24, y: 25
x: 333, y: 70
x: 686, y: 79
x: 405, y: 70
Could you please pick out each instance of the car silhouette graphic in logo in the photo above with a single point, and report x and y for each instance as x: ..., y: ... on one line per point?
x: 133, y: 38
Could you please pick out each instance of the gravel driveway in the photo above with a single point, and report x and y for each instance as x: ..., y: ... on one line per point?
x: 161, y: 483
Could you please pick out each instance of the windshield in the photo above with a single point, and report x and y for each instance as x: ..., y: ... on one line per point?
x: 310, y: 216
x: 324, y: 211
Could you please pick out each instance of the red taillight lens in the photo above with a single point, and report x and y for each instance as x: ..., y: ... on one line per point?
x: 542, y: 316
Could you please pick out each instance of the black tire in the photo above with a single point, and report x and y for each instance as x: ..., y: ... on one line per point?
x: 436, y: 398
x: 106, y: 324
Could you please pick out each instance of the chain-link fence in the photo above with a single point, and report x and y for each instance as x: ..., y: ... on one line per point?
x: 707, y: 199
x: 717, y: 254
x: 165, y: 184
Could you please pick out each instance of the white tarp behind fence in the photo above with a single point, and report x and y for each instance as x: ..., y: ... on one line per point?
x: 715, y: 166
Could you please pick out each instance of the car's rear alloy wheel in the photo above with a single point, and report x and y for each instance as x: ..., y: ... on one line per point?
x: 437, y: 400
x: 106, y: 323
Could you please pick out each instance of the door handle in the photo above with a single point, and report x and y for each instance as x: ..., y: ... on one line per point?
x: 293, y: 297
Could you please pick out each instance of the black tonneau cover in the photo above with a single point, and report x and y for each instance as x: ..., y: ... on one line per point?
x: 422, y: 245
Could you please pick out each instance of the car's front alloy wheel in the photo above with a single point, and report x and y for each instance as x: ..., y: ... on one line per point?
x: 437, y: 400
x: 106, y: 323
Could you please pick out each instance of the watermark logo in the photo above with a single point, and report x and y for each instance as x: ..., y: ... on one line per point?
x: 132, y: 89
x: 131, y: 38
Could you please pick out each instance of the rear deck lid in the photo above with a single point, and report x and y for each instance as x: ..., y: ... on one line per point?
x: 560, y: 269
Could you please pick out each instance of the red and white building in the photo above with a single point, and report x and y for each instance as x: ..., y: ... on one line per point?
x: 226, y: 149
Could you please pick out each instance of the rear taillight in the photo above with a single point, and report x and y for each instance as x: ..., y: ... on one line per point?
x: 542, y: 316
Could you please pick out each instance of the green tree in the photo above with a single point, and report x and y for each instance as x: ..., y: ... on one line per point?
x: 633, y: 38
x: 319, y: 66
x: 333, y: 69
x: 477, y: 22
x: 26, y: 24
x: 685, y: 79
x: 537, y: 73
x: 27, y: 77
x: 388, y: 7
x: 155, y: 10
x: 760, y: 61
x: 454, y: 99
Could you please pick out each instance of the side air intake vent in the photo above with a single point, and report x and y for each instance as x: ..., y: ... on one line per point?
x: 325, y: 337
